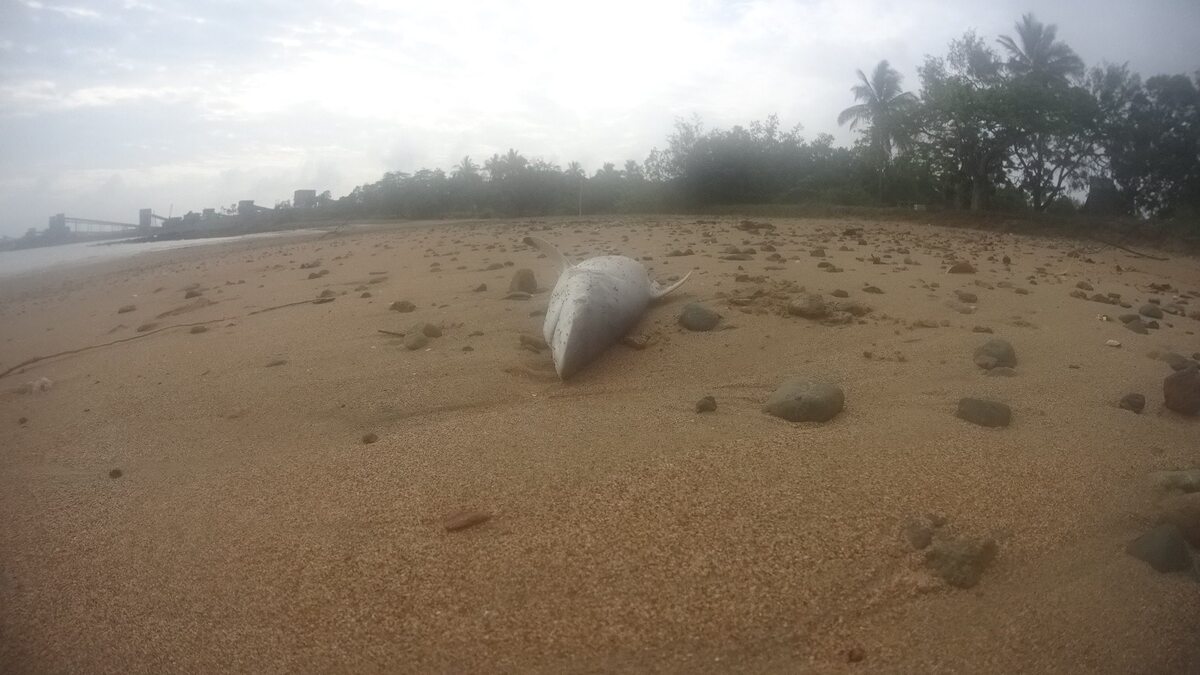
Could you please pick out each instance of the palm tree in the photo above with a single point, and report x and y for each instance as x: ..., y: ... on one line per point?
x: 882, y: 107
x: 1039, y: 53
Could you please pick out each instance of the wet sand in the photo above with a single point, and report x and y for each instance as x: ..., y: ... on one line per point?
x: 252, y: 530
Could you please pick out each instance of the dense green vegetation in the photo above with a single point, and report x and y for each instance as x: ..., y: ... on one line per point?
x: 1015, y: 124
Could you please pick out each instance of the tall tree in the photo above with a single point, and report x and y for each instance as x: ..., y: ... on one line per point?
x: 1038, y: 53
x: 882, y: 109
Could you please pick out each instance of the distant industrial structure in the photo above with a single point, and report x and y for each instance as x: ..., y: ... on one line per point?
x: 61, y: 227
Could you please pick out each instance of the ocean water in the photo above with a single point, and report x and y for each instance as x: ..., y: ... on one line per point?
x: 14, y: 263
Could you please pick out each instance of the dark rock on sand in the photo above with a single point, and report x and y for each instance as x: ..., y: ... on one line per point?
x: 464, y: 519
x: 1152, y: 311
x: 1182, y: 511
x: 706, y: 404
x: 116, y: 473
x: 403, y: 306
x: 368, y: 439
x: 960, y: 562
x: 196, y: 330
x: 1137, y: 327
x: 697, y: 317
x: 1163, y: 548
x: 1134, y: 402
x: 805, y: 400
x: 415, y: 340
x: 918, y: 532
x: 1181, y: 391
x: 126, y: 309
x: 967, y: 297
x: 523, y: 281
x: 840, y: 294
x: 995, y: 353
x: 811, y: 307
x: 480, y: 288
x: 983, y: 412
x: 962, y: 268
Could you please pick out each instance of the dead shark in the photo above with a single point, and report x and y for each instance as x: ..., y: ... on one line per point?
x: 594, y: 304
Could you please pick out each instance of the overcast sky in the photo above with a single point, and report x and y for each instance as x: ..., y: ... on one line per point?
x: 106, y: 107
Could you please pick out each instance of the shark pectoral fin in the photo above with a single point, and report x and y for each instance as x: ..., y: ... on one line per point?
x: 657, y: 291
x: 550, y: 251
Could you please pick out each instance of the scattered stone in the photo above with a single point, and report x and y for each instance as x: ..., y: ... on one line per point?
x: 840, y: 294
x: 116, y: 473
x: 1176, y: 361
x: 962, y: 268
x: 918, y: 532
x: 697, y: 317
x: 147, y: 327
x: 1181, y: 391
x: 1182, y: 511
x: 1078, y: 294
x: 481, y: 288
x: 1183, y: 480
x: 1112, y: 343
x: 812, y: 307
x: 706, y: 404
x: 415, y: 340
x: 872, y: 289
x: 805, y: 400
x: 22, y: 420
x: 126, y: 309
x: 983, y: 412
x: 817, y: 253
x: 196, y: 330
x: 403, y: 306
x: 1163, y: 548
x: 1126, y: 318
x: 855, y: 654
x: 960, y: 561
x: 640, y: 342
x: 428, y: 329
x: 523, y: 281
x: 967, y: 297
x: 1134, y: 402
x: 1152, y: 311
x: 368, y: 439
x: 981, y: 329
x: 192, y: 294
x: 1084, y: 286
x: 365, y: 294
x: 464, y: 519
x: 1137, y: 327
x: 995, y: 353
x: 327, y: 293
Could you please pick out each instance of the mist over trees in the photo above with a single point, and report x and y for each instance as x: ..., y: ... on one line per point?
x: 1015, y: 123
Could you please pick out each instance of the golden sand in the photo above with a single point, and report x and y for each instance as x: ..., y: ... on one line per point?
x: 252, y: 529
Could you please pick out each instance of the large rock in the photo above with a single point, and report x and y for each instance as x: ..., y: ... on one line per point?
x: 811, y: 307
x: 1163, y: 548
x: 983, y: 412
x: 995, y: 353
x: 804, y: 400
x: 1182, y: 511
x: 1134, y: 402
x: 1181, y: 391
x: 698, y: 317
x: 523, y: 281
x: 960, y: 561
x: 1152, y: 311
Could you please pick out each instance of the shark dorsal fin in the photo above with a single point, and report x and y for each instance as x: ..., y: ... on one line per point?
x: 658, y: 291
x: 550, y: 251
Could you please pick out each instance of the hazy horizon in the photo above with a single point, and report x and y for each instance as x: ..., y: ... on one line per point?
x: 106, y: 107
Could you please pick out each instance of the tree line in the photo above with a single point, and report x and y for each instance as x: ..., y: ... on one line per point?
x: 1014, y: 124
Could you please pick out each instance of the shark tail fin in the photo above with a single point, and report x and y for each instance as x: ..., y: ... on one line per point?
x: 550, y: 251
x: 659, y: 291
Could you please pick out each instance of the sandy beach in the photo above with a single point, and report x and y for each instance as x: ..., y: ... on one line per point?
x: 201, y: 498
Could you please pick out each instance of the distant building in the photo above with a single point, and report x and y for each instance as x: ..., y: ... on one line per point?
x: 209, y: 214
x: 304, y: 199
